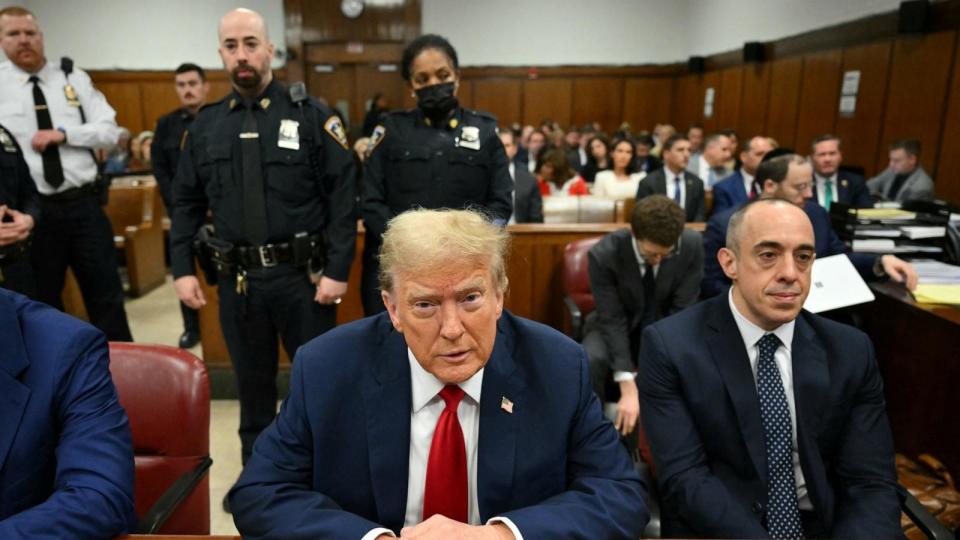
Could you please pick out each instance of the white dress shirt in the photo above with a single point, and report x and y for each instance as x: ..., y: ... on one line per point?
x: 18, y: 115
x: 425, y: 411
x: 672, y: 186
x: 822, y: 188
x: 606, y: 184
x: 513, y: 193
x: 747, y: 182
x: 703, y: 171
x: 751, y: 334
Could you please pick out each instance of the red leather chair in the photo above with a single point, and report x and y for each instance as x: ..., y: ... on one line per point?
x: 577, y: 295
x: 166, y: 394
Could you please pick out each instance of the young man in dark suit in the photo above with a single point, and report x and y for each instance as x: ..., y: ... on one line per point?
x: 637, y: 276
x: 674, y: 181
x: 830, y: 184
x: 765, y: 421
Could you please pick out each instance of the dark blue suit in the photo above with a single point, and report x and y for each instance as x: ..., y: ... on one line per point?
x: 66, y: 458
x: 851, y: 189
x: 729, y: 193
x: 827, y: 243
x: 701, y: 414
x: 334, y: 464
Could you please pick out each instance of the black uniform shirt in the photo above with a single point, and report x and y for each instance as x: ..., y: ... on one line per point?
x: 413, y: 163
x: 210, y: 176
x: 165, y: 150
x: 17, y: 188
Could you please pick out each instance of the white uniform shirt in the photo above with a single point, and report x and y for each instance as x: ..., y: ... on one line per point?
x: 18, y: 115
x: 751, y: 334
x: 426, y: 408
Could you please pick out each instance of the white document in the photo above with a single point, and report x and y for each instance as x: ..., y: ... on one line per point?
x: 851, y: 83
x: 835, y: 283
x: 917, y: 232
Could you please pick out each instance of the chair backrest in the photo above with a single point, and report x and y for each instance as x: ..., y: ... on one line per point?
x: 576, y: 278
x: 130, y: 205
x: 166, y: 394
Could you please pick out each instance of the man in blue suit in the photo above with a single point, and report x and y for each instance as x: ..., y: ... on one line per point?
x: 66, y: 458
x: 830, y: 184
x: 385, y: 431
x: 740, y: 187
x: 787, y: 176
x: 766, y: 421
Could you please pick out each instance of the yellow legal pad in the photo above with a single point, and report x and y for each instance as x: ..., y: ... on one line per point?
x: 937, y: 294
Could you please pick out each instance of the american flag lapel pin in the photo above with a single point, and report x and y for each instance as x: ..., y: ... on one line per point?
x: 506, y: 405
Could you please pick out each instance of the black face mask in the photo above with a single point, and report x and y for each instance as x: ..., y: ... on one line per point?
x: 436, y: 101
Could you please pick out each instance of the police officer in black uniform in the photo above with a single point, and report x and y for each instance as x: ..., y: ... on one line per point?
x: 19, y: 211
x: 191, y: 84
x: 438, y: 155
x: 278, y: 176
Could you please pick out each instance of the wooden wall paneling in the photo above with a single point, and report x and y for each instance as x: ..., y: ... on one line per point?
x: 159, y: 98
x: 948, y: 166
x: 338, y: 89
x: 598, y: 100
x: 125, y: 98
x: 648, y: 101
x: 710, y: 79
x: 688, y: 104
x: 322, y: 21
x: 371, y: 79
x: 547, y: 98
x: 861, y: 132
x: 728, y: 99
x: 917, y: 93
x: 784, y: 95
x: 819, y: 97
x: 754, y: 100
x: 465, y: 94
x: 499, y: 97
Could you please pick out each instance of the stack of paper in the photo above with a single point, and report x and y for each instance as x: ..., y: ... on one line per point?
x: 937, y: 294
x: 917, y: 232
x: 935, y: 272
x: 885, y: 214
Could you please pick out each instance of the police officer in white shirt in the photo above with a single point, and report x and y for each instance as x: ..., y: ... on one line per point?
x: 58, y: 118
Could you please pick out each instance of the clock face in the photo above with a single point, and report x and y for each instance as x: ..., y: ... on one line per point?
x: 351, y: 8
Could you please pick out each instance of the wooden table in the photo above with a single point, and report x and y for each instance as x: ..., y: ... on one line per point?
x: 918, y: 351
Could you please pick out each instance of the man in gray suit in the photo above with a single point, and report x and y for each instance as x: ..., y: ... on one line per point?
x: 684, y: 187
x: 527, y: 202
x: 637, y: 277
x: 905, y: 179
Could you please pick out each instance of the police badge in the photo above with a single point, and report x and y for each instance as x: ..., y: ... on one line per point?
x: 289, y: 136
x: 72, y: 99
x: 470, y: 137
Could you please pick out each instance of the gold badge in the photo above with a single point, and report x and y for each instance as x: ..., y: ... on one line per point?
x: 334, y: 127
x: 71, y: 95
x: 454, y: 123
x: 265, y: 103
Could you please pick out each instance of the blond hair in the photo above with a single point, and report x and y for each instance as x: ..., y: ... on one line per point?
x: 422, y: 241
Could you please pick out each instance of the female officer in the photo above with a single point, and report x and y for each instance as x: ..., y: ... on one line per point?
x: 438, y: 155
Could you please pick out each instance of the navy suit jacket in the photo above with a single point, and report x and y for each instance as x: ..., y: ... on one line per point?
x: 851, y: 189
x: 827, y: 243
x: 701, y: 414
x: 334, y: 463
x: 694, y: 206
x: 66, y: 458
x: 729, y: 193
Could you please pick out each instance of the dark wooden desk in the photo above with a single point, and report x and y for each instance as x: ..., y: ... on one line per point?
x: 918, y: 350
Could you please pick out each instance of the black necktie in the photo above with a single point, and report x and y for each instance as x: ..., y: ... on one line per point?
x: 896, y: 186
x: 649, y: 290
x: 783, y: 513
x: 254, y: 203
x: 52, y: 168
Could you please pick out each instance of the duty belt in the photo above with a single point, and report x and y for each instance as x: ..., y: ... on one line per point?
x: 270, y: 255
x: 72, y: 194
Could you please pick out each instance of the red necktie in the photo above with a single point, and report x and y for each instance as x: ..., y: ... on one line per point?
x: 446, y: 487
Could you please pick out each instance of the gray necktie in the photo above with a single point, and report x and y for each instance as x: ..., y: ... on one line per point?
x: 783, y: 512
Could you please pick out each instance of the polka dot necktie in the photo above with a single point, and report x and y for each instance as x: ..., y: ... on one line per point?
x: 783, y: 512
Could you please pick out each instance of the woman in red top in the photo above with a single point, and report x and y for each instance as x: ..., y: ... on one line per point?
x: 556, y: 177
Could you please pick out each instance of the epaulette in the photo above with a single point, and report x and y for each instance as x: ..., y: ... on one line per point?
x: 481, y: 114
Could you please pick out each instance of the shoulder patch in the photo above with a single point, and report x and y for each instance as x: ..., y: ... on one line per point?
x: 334, y: 127
x: 376, y: 137
x: 6, y: 141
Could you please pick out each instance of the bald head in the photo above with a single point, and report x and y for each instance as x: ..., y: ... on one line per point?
x: 251, y: 21
x: 763, y: 214
x: 246, y: 51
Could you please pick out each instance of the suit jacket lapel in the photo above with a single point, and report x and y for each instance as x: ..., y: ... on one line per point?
x: 498, y: 427
x: 811, y: 381
x: 630, y: 275
x: 387, y: 398
x: 730, y: 354
x: 14, y: 395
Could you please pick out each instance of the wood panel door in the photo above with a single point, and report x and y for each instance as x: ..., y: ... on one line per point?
x: 336, y: 85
